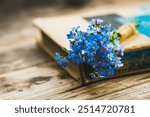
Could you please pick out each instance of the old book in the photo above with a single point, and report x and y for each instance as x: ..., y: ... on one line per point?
x: 53, y: 39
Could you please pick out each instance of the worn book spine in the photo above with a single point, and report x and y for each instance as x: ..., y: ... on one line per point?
x: 50, y: 47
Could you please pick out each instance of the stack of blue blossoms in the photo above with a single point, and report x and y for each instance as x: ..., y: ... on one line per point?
x: 98, y: 46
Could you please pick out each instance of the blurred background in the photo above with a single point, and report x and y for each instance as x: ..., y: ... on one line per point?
x: 16, y: 15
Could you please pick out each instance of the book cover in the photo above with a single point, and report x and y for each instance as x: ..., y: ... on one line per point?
x: 53, y: 39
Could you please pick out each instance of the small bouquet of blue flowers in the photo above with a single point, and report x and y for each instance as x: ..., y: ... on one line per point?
x: 98, y: 46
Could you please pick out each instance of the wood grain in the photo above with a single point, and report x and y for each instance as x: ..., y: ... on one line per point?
x: 35, y: 81
x: 26, y: 72
x: 135, y: 92
x: 101, y: 89
x: 18, y: 55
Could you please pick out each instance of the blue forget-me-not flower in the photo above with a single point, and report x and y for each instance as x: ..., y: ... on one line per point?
x: 99, y: 47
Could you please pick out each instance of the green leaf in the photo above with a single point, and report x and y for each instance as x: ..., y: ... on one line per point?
x: 136, y: 23
x: 64, y: 49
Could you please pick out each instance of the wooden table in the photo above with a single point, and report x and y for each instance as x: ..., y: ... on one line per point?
x: 26, y: 72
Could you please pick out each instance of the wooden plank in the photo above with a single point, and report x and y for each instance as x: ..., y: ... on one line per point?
x: 90, y: 92
x: 20, y: 54
x: 33, y: 82
x: 141, y: 91
x: 105, y: 88
x: 134, y: 80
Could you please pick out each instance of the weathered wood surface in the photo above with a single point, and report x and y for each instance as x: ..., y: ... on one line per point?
x: 26, y: 72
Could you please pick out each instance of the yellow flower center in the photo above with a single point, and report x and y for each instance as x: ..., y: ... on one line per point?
x: 72, y: 55
x: 93, y: 47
